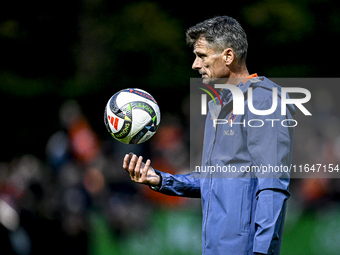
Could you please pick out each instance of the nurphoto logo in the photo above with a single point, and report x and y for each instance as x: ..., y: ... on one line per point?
x: 238, y: 105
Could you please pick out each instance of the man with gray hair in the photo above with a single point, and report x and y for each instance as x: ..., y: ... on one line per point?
x: 242, y: 214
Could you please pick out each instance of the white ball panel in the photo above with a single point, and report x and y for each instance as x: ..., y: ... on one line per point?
x: 115, y: 123
x: 126, y: 97
x: 139, y: 119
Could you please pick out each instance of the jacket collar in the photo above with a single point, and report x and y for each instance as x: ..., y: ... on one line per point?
x: 226, y: 95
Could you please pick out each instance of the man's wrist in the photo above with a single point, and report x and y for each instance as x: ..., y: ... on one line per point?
x: 159, y: 185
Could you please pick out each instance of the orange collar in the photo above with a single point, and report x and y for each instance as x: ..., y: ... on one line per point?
x: 252, y: 75
x: 249, y: 77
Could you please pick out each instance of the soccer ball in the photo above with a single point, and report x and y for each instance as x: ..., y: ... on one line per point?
x: 132, y: 116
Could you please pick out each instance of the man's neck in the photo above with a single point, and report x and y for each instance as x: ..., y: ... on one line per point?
x: 239, y: 71
x: 238, y: 74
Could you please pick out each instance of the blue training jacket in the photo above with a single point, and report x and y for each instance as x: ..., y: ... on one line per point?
x: 243, y: 212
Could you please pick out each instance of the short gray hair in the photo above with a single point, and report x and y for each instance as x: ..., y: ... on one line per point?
x: 221, y: 32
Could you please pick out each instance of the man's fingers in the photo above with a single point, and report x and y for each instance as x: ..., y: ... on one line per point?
x: 138, y: 167
x: 137, y: 170
x: 145, y: 169
x: 132, y: 165
x: 126, y: 161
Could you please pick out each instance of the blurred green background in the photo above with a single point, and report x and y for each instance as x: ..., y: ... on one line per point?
x: 60, y: 62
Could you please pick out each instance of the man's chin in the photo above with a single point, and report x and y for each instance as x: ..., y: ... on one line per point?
x: 212, y: 81
x: 206, y: 80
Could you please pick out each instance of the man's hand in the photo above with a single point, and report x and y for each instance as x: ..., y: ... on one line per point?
x: 140, y: 172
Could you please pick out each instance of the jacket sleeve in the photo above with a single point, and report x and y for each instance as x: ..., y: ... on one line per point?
x: 184, y: 185
x: 270, y: 147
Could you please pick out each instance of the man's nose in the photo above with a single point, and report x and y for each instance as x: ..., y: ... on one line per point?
x: 197, y: 64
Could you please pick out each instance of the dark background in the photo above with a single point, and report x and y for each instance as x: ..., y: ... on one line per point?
x: 88, y: 50
x: 61, y: 181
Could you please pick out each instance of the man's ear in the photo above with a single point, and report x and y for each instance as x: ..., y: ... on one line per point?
x: 228, y: 56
